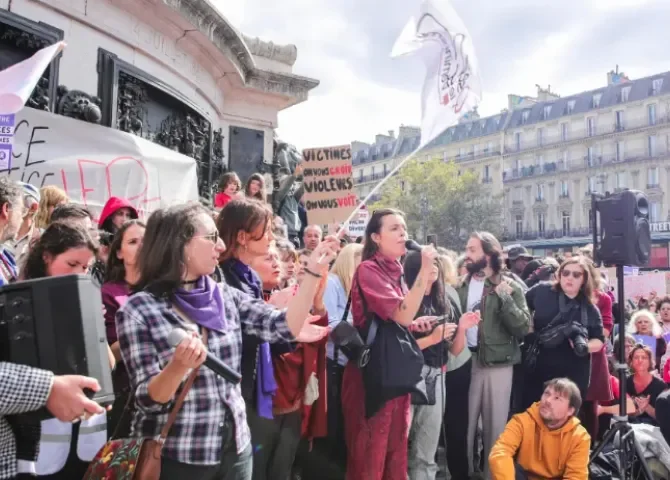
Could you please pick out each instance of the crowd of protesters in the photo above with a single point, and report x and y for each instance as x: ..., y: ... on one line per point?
x: 511, y: 348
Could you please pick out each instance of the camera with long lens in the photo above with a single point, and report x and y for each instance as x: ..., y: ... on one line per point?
x: 574, y: 331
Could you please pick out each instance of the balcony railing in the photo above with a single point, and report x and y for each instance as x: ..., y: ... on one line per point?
x: 485, y: 153
x: 546, y: 234
x: 369, y: 178
x: 487, y: 180
x: 595, y: 161
x: 599, y: 130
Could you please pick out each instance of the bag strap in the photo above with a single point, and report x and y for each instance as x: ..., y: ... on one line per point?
x: 344, y: 318
x: 180, y: 399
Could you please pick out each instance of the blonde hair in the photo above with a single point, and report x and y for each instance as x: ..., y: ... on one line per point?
x: 656, y: 329
x: 345, y: 264
x: 50, y: 196
x: 450, y: 274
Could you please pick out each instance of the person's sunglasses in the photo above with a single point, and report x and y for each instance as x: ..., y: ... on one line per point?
x: 575, y: 275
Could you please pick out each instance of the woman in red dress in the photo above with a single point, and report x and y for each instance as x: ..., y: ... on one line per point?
x: 377, y: 446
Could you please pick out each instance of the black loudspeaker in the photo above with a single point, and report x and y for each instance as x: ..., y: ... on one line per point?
x: 625, y: 237
x: 57, y: 324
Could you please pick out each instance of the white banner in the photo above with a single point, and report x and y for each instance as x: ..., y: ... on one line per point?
x: 93, y: 163
x: 356, y: 227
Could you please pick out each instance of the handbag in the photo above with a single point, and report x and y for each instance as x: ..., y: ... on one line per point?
x: 137, y: 458
x: 391, y: 363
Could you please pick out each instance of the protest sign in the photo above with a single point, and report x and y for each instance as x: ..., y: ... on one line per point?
x: 6, y: 140
x: 93, y: 163
x: 356, y: 227
x: 329, y: 196
x: 648, y: 341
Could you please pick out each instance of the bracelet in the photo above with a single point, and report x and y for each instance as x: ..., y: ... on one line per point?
x: 316, y: 275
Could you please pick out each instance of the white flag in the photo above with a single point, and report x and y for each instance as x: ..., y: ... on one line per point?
x: 18, y: 81
x: 452, y: 86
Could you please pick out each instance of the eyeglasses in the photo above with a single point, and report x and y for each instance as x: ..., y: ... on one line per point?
x: 575, y: 275
x: 212, y: 237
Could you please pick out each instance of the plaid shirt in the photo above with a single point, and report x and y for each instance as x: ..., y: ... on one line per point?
x: 143, y: 325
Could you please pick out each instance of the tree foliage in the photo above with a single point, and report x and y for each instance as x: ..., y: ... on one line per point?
x: 446, y: 201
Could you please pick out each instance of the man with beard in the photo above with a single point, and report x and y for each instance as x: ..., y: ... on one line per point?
x: 495, y: 342
x: 546, y: 441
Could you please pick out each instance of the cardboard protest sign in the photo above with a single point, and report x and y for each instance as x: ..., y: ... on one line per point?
x: 92, y: 163
x: 356, y: 227
x: 329, y: 186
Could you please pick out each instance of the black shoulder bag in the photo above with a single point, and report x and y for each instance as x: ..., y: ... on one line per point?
x: 391, y: 364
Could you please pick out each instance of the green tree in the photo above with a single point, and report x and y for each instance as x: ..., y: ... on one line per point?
x: 445, y: 201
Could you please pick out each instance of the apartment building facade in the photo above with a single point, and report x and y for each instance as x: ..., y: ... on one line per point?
x: 548, y: 154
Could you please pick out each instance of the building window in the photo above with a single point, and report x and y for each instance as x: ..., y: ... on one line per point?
x: 620, y: 151
x: 540, y: 132
x: 385, y: 169
x: 486, y: 172
x: 540, y: 192
x: 489, y: 148
x: 591, y: 126
x: 656, y: 86
x: 651, y: 114
x: 596, y: 100
x: 461, y: 152
x: 540, y: 223
x: 566, y: 223
x: 539, y: 161
x: 565, y: 160
x: 517, y: 164
x: 652, y: 177
x: 518, y: 223
x: 590, y: 156
x: 571, y: 107
x: 624, y: 94
x: 619, y: 120
x: 360, y: 175
x: 564, y: 132
x: 517, y: 140
x: 524, y: 116
x: 620, y: 180
x: 651, y: 146
x: 565, y: 190
x: 518, y: 194
x: 475, y: 150
x: 547, y: 111
x: 655, y: 212
x: 590, y: 214
x: 592, y: 185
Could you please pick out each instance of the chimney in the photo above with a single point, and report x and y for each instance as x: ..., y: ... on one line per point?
x: 391, y: 134
x: 408, y: 131
x: 615, y: 77
x: 357, y: 146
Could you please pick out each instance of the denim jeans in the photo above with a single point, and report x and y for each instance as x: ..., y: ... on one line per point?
x: 424, y: 435
x: 233, y: 466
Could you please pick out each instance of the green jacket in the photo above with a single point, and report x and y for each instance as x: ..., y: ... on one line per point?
x: 505, y: 321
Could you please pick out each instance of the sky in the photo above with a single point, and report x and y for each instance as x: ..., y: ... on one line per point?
x: 346, y: 45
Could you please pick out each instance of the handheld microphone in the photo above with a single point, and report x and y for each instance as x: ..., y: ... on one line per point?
x: 412, y: 246
x: 176, y: 336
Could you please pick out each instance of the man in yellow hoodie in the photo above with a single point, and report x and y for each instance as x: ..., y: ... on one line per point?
x: 547, y: 441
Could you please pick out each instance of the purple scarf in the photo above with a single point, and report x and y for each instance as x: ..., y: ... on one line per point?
x: 203, y: 305
x: 266, y: 386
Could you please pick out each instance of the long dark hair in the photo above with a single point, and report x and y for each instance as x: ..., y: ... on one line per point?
x: 261, y: 193
x: 438, y: 298
x: 161, y: 259
x: 116, y: 271
x: 242, y: 215
x: 492, y: 248
x: 58, y: 238
x: 374, y: 226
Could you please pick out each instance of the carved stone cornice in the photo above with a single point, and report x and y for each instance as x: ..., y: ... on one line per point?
x: 224, y: 36
x: 281, y: 84
x: 286, y: 54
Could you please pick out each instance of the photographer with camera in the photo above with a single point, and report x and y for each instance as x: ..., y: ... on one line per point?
x: 567, y: 327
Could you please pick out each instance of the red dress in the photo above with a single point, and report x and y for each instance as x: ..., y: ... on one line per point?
x: 599, y: 386
x: 376, y: 447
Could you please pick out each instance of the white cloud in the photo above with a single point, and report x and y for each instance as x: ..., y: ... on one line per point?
x: 569, y: 46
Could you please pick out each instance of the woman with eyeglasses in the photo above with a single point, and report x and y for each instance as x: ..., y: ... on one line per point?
x: 568, y: 326
x: 210, y: 437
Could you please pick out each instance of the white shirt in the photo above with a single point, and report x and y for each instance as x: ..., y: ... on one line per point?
x: 475, y: 292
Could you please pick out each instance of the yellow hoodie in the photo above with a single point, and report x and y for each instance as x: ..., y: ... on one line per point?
x: 542, y: 453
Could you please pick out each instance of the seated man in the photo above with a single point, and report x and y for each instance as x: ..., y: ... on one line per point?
x: 546, y: 441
